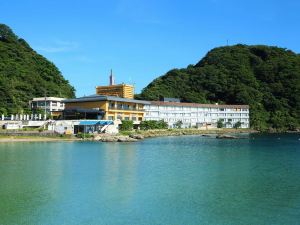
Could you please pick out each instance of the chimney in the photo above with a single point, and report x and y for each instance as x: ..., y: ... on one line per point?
x: 111, y: 78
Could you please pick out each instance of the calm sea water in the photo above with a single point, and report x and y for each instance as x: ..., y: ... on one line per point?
x: 170, y: 180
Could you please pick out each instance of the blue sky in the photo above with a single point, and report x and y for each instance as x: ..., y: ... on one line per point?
x: 141, y: 40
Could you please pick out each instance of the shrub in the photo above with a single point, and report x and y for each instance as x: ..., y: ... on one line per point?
x: 220, y: 123
x: 83, y: 135
x: 126, y: 125
x: 237, y: 125
x: 153, y: 124
x: 178, y: 124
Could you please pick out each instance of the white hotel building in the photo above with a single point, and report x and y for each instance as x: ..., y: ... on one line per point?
x: 200, y: 115
x: 48, y: 104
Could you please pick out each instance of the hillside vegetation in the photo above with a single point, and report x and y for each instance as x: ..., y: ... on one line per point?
x: 266, y: 78
x: 25, y: 74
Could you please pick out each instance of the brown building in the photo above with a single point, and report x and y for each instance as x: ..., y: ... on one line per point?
x: 118, y: 90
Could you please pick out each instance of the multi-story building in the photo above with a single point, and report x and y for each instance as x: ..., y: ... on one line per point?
x: 200, y: 115
x: 118, y: 90
x: 104, y: 107
x: 50, y: 105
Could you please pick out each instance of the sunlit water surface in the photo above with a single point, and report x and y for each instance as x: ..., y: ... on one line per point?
x: 170, y: 180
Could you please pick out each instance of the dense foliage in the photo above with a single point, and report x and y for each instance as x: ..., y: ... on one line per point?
x: 178, y: 124
x: 220, y: 123
x: 25, y: 74
x: 266, y: 78
x: 153, y: 124
x: 126, y: 125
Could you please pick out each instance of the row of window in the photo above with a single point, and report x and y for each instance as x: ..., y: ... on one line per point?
x: 197, y: 115
x: 123, y: 106
x: 151, y: 107
x: 42, y: 103
x: 198, y: 120
x: 133, y: 118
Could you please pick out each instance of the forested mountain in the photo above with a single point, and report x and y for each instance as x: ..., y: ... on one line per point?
x: 267, y: 78
x: 25, y: 74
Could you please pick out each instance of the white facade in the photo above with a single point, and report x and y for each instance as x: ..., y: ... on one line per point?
x: 200, y: 115
x: 51, y: 104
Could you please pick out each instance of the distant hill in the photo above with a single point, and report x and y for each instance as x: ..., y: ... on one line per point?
x: 25, y: 74
x: 267, y: 78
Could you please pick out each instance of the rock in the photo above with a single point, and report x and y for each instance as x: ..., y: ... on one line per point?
x: 136, y: 136
x: 126, y: 139
x: 97, y: 138
x: 109, y: 139
x: 223, y: 136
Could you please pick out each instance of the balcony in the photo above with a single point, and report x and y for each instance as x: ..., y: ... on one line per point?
x: 125, y: 109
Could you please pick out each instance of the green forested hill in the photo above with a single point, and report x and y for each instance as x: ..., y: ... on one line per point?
x: 25, y: 74
x: 266, y: 78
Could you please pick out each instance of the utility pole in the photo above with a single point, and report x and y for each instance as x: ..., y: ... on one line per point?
x: 45, y: 111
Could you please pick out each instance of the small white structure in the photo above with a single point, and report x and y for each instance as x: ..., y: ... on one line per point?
x: 63, y: 126
x: 199, y: 115
x: 72, y: 126
x: 12, y: 125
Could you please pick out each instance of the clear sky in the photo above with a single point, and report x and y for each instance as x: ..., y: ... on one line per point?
x: 141, y: 40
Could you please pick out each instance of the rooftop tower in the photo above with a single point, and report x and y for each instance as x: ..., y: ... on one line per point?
x: 119, y: 90
x: 111, y: 78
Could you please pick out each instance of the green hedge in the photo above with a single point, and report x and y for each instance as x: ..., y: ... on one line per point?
x: 153, y: 124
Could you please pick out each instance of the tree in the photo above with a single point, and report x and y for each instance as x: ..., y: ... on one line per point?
x: 220, y: 123
x: 24, y: 74
x: 153, y: 124
x: 178, y: 124
x: 126, y: 125
x: 264, y: 77
x: 237, y: 125
x: 3, y: 111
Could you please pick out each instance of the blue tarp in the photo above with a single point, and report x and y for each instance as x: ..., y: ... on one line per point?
x: 105, y: 122
x: 94, y: 123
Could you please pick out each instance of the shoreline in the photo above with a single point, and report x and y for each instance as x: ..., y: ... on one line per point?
x: 13, y: 139
x: 126, y: 136
x: 131, y: 136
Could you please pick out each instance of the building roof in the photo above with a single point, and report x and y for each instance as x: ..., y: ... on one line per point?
x: 92, y: 98
x: 197, y: 105
x: 114, y: 85
x: 47, y: 99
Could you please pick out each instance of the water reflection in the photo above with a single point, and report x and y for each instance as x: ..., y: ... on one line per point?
x: 120, y: 172
x: 174, y: 180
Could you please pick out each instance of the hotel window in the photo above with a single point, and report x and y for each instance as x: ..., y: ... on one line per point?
x: 110, y: 118
x: 111, y: 105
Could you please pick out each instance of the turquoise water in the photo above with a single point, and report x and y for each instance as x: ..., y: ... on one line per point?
x: 170, y: 180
